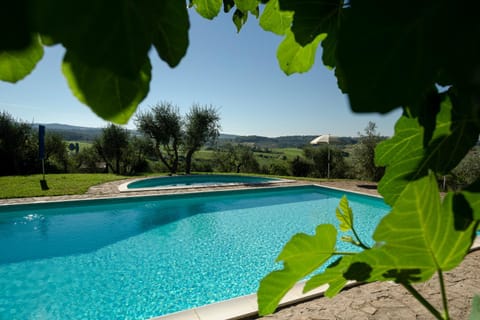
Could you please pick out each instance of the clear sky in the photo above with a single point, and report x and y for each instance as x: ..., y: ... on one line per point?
x: 236, y: 73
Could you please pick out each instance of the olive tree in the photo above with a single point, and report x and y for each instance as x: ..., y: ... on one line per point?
x: 18, y: 146
x: 112, y: 147
x: 364, y: 154
x: 202, y: 125
x: 236, y: 158
x: 56, y: 150
x: 163, y: 125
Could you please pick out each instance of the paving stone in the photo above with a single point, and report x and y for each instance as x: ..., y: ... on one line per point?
x: 370, y: 310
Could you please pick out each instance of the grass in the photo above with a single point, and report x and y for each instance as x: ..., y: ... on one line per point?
x: 58, y: 184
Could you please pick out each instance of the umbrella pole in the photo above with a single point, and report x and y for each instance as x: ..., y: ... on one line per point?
x: 328, y: 162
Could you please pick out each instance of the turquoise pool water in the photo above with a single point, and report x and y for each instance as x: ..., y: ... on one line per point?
x: 142, y: 257
x: 196, y: 180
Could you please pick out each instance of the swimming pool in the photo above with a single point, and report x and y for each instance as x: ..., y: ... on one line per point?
x: 140, y: 257
x: 200, y: 180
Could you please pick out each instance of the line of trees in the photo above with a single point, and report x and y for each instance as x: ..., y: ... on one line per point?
x: 168, y: 143
x: 19, y: 148
x: 166, y: 136
x: 172, y: 140
x: 172, y: 134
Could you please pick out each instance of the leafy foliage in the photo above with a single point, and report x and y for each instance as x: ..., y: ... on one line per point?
x: 236, y: 158
x: 207, y: 8
x: 16, y: 65
x: 171, y: 134
x: 56, y: 150
x: 17, y: 146
x: 364, y: 154
x: 475, y: 314
x: 113, y: 97
x: 112, y: 147
x: 274, y: 20
x: 293, y: 58
x: 407, y: 156
x: 107, y: 47
x: 315, y: 250
x: 319, y: 158
x: 163, y: 125
x: 467, y: 171
x: 416, y: 239
x: 201, y: 126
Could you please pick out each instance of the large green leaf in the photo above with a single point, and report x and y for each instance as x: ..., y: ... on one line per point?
x: 16, y: 65
x: 475, y: 313
x: 171, y: 35
x: 15, y: 33
x: 418, y: 237
x: 246, y: 5
x: 207, y: 8
x: 390, y: 52
x: 228, y: 5
x: 111, y: 96
x: 301, y: 255
x: 333, y: 276
x: 115, y: 35
x: 293, y: 58
x: 407, y: 157
x: 402, y: 155
x: 275, y: 20
x: 344, y: 215
x: 312, y: 17
x: 239, y: 19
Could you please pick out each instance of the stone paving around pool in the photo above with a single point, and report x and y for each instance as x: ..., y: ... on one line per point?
x: 364, y: 302
x: 391, y: 301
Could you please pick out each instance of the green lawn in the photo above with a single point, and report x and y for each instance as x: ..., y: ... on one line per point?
x: 58, y: 184
x: 290, y: 153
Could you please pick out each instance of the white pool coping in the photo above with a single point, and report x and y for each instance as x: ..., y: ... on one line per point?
x: 246, y: 306
x: 241, y: 307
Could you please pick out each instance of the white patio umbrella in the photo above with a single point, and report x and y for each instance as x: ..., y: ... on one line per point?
x: 324, y: 138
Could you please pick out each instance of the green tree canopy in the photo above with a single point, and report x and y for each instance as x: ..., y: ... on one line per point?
x: 15, y: 138
x: 202, y: 124
x: 364, y: 154
x: 163, y: 124
x: 56, y: 150
x: 112, y: 147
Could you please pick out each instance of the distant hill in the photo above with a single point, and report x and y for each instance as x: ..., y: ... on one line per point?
x: 287, y: 141
x: 88, y: 134
x: 73, y: 133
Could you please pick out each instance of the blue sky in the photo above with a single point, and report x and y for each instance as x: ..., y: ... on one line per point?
x: 236, y: 73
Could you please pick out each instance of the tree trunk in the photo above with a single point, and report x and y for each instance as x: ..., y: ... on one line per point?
x: 188, y: 161
x: 164, y: 161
